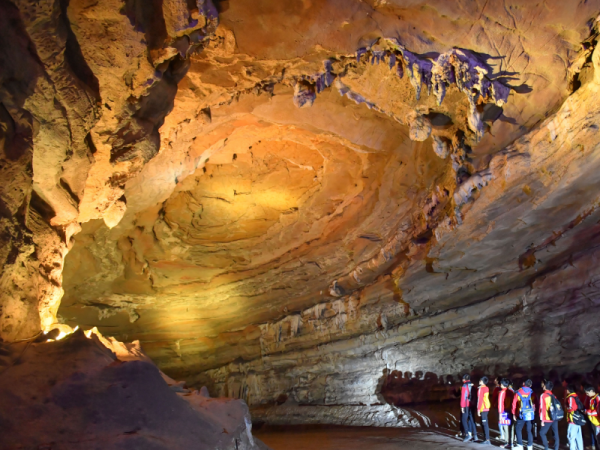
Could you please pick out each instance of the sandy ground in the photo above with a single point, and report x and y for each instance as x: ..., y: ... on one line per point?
x: 336, y: 438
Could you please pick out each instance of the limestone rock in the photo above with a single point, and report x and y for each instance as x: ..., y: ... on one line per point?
x: 113, y: 215
x: 440, y: 147
x: 303, y: 204
x: 420, y: 127
x: 76, y: 393
x: 304, y: 95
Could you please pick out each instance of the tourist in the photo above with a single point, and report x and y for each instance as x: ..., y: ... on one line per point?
x: 505, y: 419
x: 524, y: 413
x: 483, y: 407
x: 495, y: 394
x: 592, y: 408
x: 547, y: 415
x: 574, y: 412
x: 465, y: 408
x: 585, y: 400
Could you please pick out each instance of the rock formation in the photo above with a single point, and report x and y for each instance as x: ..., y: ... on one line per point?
x: 92, y: 392
x: 293, y: 203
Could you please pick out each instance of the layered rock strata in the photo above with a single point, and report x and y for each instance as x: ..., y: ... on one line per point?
x: 255, y: 208
x: 273, y: 196
x: 473, y: 304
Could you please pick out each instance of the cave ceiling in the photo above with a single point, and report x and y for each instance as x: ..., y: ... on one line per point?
x: 268, y: 157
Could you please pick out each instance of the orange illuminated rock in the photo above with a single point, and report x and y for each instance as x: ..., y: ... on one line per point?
x: 253, y: 189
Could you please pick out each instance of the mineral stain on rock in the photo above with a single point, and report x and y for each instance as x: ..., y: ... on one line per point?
x: 283, y: 200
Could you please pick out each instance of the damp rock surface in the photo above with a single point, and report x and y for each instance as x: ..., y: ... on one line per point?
x: 320, y: 207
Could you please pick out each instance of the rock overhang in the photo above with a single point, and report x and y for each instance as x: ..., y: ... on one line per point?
x: 217, y: 227
x: 243, y: 185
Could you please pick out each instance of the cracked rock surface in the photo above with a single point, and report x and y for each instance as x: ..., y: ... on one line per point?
x: 288, y: 201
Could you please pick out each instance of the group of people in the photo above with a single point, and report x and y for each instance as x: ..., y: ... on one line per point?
x: 517, y: 410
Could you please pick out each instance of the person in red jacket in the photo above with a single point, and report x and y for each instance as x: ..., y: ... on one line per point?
x: 505, y: 419
x: 483, y: 407
x: 592, y: 410
x: 574, y: 430
x: 545, y: 417
x: 495, y: 393
x: 523, y: 411
x: 465, y: 408
x: 585, y: 401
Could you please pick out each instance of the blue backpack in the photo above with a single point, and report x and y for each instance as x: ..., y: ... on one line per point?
x: 556, y: 412
x: 527, y: 411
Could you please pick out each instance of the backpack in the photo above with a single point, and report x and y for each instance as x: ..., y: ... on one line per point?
x: 469, y: 385
x: 578, y: 416
x: 527, y: 412
x: 504, y: 419
x: 556, y: 412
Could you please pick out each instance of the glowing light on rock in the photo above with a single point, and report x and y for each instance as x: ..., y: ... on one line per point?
x: 63, y: 334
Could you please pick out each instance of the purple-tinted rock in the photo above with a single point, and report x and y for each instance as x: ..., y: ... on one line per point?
x: 359, y: 53
x: 320, y: 83
x: 328, y: 78
x: 392, y: 60
x: 304, y: 94
x: 377, y: 57
x: 400, y: 69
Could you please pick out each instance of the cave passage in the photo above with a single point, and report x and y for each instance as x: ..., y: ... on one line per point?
x: 359, y: 438
x: 221, y: 221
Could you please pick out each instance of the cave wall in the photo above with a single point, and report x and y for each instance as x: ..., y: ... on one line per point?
x: 75, y: 75
x: 87, y: 391
x: 184, y: 275
x: 469, y: 313
x: 283, y: 201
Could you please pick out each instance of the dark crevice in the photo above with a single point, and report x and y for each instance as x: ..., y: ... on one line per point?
x: 221, y: 5
x: 75, y: 58
x: 147, y: 16
x: 424, y: 237
x: 439, y: 120
x: 586, y: 73
x: 12, y: 255
x: 140, y: 137
x: 89, y: 142
x: 41, y: 206
x: 66, y: 187
x: 4, y: 210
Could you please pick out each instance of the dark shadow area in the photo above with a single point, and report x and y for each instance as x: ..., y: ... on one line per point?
x: 20, y: 69
x: 75, y: 58
x: 147, y: 16
x: 139, y: 137
x: 502, y: 76
x: 492, y: 112
x: 221, y: 5
x: 405, y: 388
x: 439, y: 120
x: 16, y: 142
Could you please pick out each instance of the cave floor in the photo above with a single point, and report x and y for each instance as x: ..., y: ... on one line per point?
x: 355, y: 438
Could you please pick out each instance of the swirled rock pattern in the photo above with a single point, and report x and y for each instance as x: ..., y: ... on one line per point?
x: 285, y: 200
